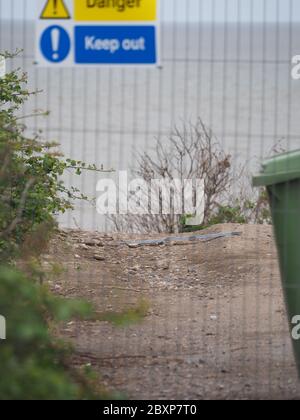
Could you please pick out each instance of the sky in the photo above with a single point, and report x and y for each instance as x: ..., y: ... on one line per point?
x: 186, y: 10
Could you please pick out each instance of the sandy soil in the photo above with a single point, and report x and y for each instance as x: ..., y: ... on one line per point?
x: 216, y: 325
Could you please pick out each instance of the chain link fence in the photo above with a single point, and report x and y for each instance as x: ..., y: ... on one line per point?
x: 216, y: 324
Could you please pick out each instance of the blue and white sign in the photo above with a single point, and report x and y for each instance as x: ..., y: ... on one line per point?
x: 64, y: 40
x: 115, y: 45
x: 55, y: 44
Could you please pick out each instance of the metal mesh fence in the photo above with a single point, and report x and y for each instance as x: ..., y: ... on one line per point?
x: 216, y: 326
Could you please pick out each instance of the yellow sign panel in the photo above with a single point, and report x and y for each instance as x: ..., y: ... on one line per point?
x: 115, y: 10
x: 55, y: 9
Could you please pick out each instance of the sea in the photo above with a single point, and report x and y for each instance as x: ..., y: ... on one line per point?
x: 236, y: 77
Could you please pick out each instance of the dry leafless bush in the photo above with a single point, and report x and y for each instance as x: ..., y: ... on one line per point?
x: 192, y: 152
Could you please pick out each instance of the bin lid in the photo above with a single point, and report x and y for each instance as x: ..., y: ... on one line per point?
x: 279, y: 169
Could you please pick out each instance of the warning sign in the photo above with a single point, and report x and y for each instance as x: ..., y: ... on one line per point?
x: 115, y: 10
x: 73, y: 33
x: 55, y: 9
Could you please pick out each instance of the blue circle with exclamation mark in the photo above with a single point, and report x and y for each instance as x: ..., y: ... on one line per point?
x: 55, y: 44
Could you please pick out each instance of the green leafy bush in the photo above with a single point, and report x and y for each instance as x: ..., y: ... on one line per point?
x: 228, y: 214
x: 244, y: 210
x: 33, y: 364
x: 31, y: 189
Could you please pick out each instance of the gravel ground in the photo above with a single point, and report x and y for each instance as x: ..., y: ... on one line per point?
x: 216, y: 326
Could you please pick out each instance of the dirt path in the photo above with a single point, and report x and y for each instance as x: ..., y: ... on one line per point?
x: 216, y: 327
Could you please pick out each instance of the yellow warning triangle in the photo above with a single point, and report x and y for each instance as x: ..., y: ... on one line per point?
x: 55, y: 9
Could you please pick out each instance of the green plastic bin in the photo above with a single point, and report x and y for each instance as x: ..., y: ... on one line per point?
x: 281, y: 176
